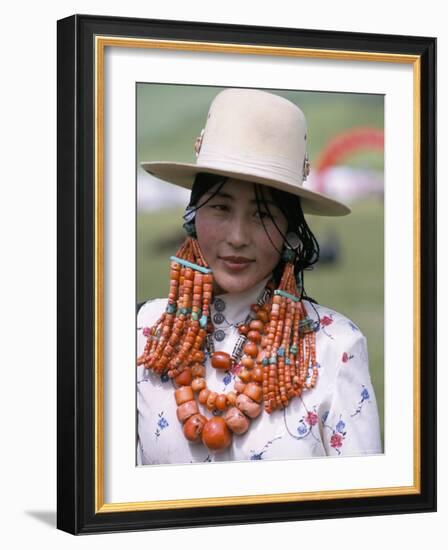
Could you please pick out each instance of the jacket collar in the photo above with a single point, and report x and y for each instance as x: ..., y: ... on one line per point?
x: 235, y: 307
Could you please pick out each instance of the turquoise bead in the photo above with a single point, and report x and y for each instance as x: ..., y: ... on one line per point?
x: 203, y: 321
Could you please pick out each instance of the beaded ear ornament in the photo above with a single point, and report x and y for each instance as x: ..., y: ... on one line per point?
x: 274, y: 357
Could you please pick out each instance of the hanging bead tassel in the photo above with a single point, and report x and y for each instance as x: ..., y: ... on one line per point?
x: 181, y: 330
x: 289, y: 349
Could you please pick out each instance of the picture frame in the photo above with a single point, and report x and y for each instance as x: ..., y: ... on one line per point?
x: 85, y: 235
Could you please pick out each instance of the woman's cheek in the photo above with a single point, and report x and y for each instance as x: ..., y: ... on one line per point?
x: 269, y: 256
x: 208, y: 235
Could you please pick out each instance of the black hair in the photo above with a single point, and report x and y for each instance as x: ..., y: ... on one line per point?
x: 307, y: 252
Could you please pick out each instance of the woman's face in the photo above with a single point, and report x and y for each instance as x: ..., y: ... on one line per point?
x: 233, y: 239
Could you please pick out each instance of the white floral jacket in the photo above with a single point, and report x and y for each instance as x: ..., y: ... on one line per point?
x: 338, y: 417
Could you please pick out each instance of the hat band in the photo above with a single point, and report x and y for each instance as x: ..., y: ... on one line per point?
x: 275, y: 168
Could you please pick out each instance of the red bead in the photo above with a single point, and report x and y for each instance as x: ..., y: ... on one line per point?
x: 254, y: 391
x: 254, y: 336
x: 203, y: 396
x: 257, y: 374
x: 184, y: 378
x: 262, y: 316
x: 247, y: 362
x: 199, y: 357
x: 256, y: 325
x: 221, y: 360
x: 243, y: 329
x: 250, y: 348
x: 183, y: 394
x: 216, y: 435
x: 221, y: 402
x: 193, y: 427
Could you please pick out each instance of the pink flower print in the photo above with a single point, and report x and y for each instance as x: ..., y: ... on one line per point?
x: 235, y: 368
x: 346, y: 357
x: 312, y: 418
x: 325, y: 321
x: 336, y: 440
x: 146, y: 332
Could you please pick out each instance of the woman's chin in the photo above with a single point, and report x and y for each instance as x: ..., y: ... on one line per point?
x: 233, y: 284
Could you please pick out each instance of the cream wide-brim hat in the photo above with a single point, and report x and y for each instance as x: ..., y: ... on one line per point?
x: 254, y: 136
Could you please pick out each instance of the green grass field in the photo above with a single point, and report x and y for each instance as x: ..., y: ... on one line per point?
x: 354, y: 285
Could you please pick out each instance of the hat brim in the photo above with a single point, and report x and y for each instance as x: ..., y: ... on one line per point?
x: 183, y: 174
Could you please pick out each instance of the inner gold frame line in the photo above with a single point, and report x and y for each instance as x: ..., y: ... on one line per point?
x: 100, y: 45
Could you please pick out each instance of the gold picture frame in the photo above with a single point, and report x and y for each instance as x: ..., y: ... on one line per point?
x: 82, y: 45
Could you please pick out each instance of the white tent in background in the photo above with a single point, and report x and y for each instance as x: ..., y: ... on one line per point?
x: 155, y: 194
x: 341, y: 182
x: 348, y: 184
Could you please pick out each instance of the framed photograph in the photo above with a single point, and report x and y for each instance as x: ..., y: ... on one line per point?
x: 232, y: 347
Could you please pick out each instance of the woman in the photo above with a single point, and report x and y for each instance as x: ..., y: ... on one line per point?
x: 237, y: 364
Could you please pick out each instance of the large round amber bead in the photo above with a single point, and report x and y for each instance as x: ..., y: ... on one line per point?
x: 216, y: 435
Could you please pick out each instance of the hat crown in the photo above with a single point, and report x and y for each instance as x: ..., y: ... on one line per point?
x: 259, y: 130
x: 255, y: 136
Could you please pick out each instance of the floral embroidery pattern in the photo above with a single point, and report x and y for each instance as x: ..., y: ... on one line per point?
x: 353, y: 327
x: 306, y: 424
x: 228, y: 378
x: 346, y: 357
x: 336, y: 441
x: 259, y: 456
x: 338, y: 433
x: 365, y: 396
x: 235, y: 369
x: 162, y: 423
x: 312, y: 418
x: 326, y: 321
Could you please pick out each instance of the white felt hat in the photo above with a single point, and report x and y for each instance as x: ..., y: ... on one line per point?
x: 255, y: 136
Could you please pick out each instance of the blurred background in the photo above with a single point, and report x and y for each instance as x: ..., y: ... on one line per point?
x: 345, y: 147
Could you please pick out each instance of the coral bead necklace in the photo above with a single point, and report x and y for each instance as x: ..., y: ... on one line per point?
x: 274, y: 357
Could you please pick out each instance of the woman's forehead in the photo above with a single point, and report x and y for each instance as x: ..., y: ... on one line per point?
x: 241, y: 190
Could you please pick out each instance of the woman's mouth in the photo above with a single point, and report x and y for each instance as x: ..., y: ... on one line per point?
x: 236, y: 263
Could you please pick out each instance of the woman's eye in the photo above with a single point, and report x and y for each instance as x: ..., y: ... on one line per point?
x: 262, y: 215
x: 220, y: 207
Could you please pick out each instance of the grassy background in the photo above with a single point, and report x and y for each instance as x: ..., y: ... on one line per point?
x: 169, y: 117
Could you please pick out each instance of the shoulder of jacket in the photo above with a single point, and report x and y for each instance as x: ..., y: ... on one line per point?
x: 327, y: 317
x: 147, y: 311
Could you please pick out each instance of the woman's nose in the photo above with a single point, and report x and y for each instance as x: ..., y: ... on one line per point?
x: 238, y: 232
